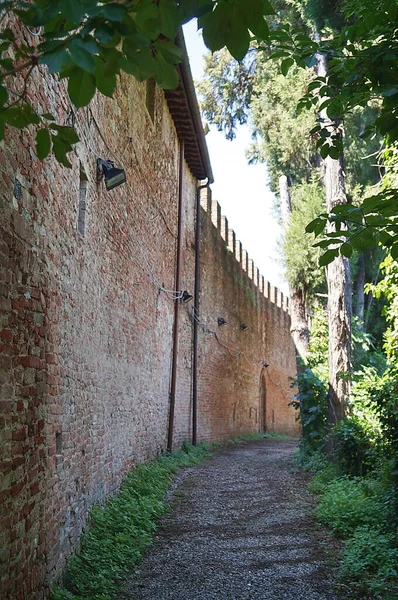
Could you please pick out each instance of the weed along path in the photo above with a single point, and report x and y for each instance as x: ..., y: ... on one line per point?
x: 239, y: 528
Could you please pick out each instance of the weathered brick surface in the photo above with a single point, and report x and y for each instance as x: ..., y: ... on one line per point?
x: 86, y: 330
x: 230, y: 381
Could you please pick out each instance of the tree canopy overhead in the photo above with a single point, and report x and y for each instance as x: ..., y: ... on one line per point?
x: 89, y: 43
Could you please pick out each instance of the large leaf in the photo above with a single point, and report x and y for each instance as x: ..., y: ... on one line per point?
x: 148, y: 19
x: 286, y: 64
x: 106, y: 82
x: 267, y: 8
x: 3, y: 95
x: 170, y: 52
x: 43, y: 143
x: 68, y: 134
x: 56, y: 61
x: 72, y: 10
x: 82, y: 55
x: 143, y: 60
x: 21, y: 116
x: 113, y: 12
x: 61, y: 149
x: 170, y: 16
x: 334, y: 152
x: 165, y: 73
x: 346, y: 250
x: 81, y: 87
x: 216, y: 26
x: 238, y: 39
x: 254, y: 11
x: 328, y: 257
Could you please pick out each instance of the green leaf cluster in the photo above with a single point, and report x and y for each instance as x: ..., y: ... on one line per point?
x: 89, y: 43
x: 300, y: 256
x: 372, y: 222
x: 230, y: 25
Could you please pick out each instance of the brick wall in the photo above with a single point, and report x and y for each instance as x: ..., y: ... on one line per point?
x: 86, y: 326
x: 231, y: 378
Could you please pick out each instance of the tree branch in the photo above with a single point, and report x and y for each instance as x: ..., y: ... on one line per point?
x: 32, y: 62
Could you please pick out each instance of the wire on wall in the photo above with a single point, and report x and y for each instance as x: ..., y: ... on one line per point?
x: 235, y: 353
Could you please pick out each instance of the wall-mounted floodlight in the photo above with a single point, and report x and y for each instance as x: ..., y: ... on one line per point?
x: 112, y: 175
x: 243, y: 326
x: 221, y: 322
x: 186, y: 297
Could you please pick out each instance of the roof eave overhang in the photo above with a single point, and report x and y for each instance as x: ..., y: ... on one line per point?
x: 184, y: 109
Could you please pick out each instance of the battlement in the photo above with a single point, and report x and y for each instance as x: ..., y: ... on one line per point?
x: 220, y: 222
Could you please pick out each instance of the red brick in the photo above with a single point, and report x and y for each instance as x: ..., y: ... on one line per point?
x: 33, y: 362
x: 6, y: 335
x: 19, y: 435
x: 34, y: 488
x: 15, y: 490
x: 52, y: 358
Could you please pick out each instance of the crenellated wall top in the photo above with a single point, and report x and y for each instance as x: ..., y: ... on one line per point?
x: 220, y: 222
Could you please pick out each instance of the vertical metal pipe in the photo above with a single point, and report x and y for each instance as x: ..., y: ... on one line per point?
x: 177, y: 287
x: 196, y: 317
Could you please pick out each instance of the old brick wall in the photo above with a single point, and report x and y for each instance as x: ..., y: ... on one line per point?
x: 231, y: 373
x: 87, y: 317
x: 86, y: 328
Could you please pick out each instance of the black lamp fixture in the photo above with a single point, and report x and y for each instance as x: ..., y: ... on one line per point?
x: 221, y: 322
x: 264, y: 364
x: 111, y: 174
x: 243, y: 326
x: 186, y: 297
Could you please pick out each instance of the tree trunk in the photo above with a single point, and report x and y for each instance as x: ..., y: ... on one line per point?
x: 299, y: 323
x: 339, y: 285
x: 286, y: 203
x: 360, y: 292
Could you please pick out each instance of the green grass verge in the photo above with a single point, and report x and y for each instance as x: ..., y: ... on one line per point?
x: 359, y: 510
x: 121, y: 530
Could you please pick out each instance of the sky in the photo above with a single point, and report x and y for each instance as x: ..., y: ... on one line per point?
x: 240, y: 188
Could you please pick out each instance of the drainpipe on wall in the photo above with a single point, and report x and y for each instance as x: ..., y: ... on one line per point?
x: 196, y: 317
x: 177, y: 302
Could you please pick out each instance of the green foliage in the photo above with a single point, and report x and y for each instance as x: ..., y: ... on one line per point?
x: 248, y: 437
x: 120, y: 531
x: 360, y: 510
x: 232, y: 92
x: 301, y: 258
x: 348, y: 503
x: 356, y: 443
x: 370, y: 223
x: 311, y: 398
x: 358, y: 487
x: 282, y: 131
x: 370, y: 559
x: 311, y: 402
x: 90, y: 42
x: 226, y: 90
x: 361, y: 73
x: 388, y: 287
x: 320, y: 13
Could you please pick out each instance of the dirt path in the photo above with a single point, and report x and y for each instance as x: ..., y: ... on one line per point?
x: 240, y: 528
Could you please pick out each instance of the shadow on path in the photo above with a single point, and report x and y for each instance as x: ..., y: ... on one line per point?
x: 240, y: 528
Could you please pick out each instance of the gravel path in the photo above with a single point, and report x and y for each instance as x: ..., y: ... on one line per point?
x: 240, y: 528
